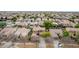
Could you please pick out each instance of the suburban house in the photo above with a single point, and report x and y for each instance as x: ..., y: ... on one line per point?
x: 9, y: 23
x: 36, y: 32
x: 73, y: 31
x: 20, y: 19
x: 76, y: 21
x: 55, y: 33
x: 66, y: 23
x: 34, y: 37
x: 33, y: 23
x: 22, y: 33
x: 23, y: 24
x: 38, y: 20
x: 38, y: 29
x: 6, y: 32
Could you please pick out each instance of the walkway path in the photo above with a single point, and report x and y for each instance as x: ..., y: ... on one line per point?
x: 56, y: 44
x: 42, y: 43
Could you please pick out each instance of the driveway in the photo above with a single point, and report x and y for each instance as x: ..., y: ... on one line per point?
x: 56, y: 44
x: 42, y: 43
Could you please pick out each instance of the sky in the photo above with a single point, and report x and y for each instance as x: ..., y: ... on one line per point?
x: 39, y: 5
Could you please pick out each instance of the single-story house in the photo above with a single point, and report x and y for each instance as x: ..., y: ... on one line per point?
x: 67, y: 23
x: 24, y: 24
x: 22, y: 33
x: 76, y: 20
x: 38, y: 29
x: 34, y: 37
x: 55, y: 32
x: 6, y: 32
x: 73, y: 31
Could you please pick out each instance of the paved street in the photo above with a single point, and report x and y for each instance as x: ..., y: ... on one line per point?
x: 56, y: 44
x: 7, y: 45
x: 42, y: 43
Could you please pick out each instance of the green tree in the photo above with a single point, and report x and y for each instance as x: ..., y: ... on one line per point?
x: 77, y: 38
x: 14, y: 19
x: 24, y: 16
x: 77, y: 26
x: 2, y: 24
x: 73, y: 17
x: 17, y: 16
x: 33, y: 17
x: 47, y: 24
x: 65, y: 33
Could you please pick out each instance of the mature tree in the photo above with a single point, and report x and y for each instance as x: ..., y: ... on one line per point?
x: 77, y: 16
x: 33, y: 17
x: 72, y: 18
x: 2, y: 24
x: 77, y: 38
x: 1, y: 18
x: 65, y: 33
x: 14, y: 19
x: 47, y: 24
x: 77, y: 26
x: 18, y: 16
x: 24, y: 16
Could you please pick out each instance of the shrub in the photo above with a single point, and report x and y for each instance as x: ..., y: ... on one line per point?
x: 45, y: 34
x: 14, y: 19
x: 77, y: 26
x: 65, y: 33
x: 2, y: 24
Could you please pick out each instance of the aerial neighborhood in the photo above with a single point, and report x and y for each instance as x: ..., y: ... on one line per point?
x: 39, y: 29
